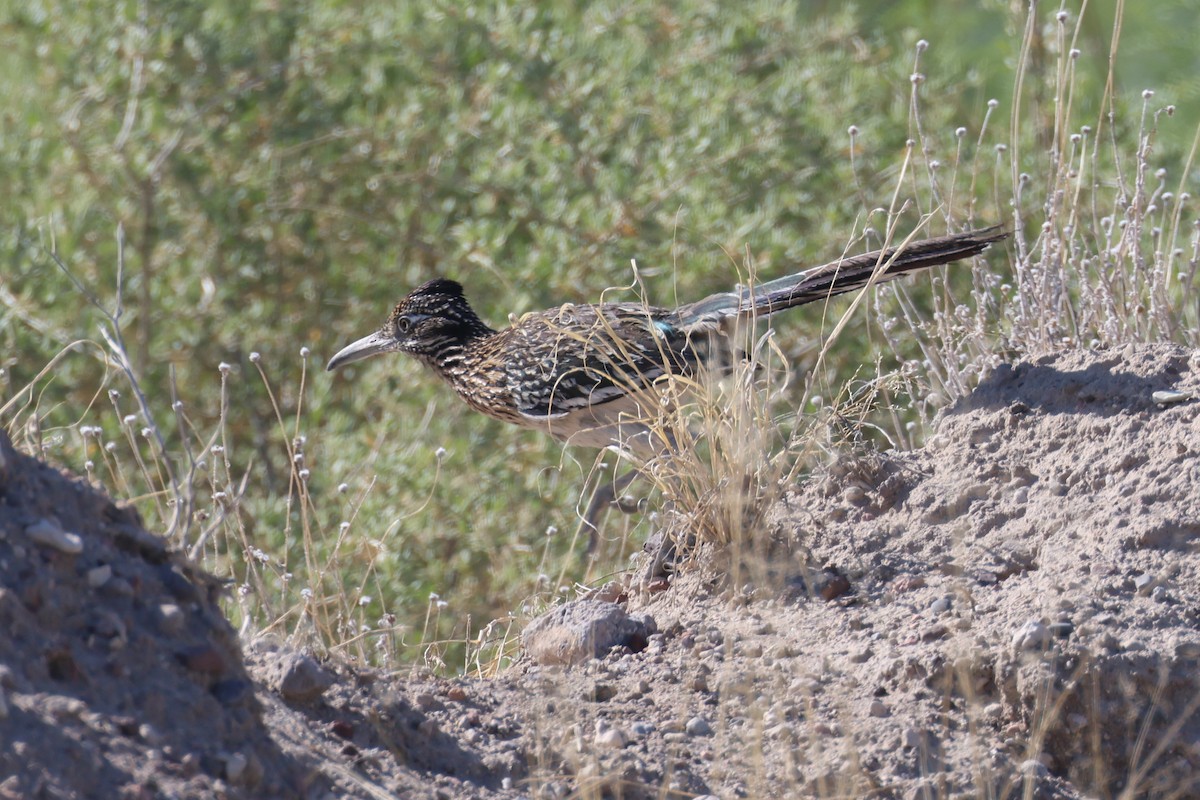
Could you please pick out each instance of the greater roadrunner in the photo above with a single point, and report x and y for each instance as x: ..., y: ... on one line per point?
x: 584, y: 373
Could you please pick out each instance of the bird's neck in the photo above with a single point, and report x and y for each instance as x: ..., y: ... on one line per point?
x: 447, y: 354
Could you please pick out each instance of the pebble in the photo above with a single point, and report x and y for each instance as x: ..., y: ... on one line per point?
x: 698, y: 726
x: 49, y: 533
x: 880, y: 709
x: 934, y: 632
x: 580, y: 630
x: 611, y: 738
x: 1062, y: 629
x: 941, y: 605
x: 752, y: 650
x: 299, y: 678
x: 149, y: 734
x: 98, y: 576
x: 834, y: 586
x: 172, y: 618
x: 642, y: 728
x: 1033, y: 635
x: 603, y: 692
x: 235, y: 765
x: 861, y: 655
x: 456, y: 693
x: 1144, y: 583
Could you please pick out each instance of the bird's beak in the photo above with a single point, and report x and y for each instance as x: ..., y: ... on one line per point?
x: 365, y: 347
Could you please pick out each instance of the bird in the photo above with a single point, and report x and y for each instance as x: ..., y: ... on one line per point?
x: 591, y: 374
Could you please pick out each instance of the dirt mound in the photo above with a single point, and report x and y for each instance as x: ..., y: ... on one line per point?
x: 1012, y: 611
x: 119, y: 676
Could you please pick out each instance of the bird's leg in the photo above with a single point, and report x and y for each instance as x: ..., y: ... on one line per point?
x: 607, y: 494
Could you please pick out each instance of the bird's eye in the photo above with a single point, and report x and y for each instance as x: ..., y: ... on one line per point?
x: 403, y: 325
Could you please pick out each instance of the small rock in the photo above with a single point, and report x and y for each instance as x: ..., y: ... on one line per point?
x: 1033, y: 635
x: 428, y: 728
x: 642, y: 728
x: 934, y: 632
x: 1143, y: 583
x: 342, y: 728
x: 611, y: 738
x: 1062, y: 629
x: 941, y: 605
x: 49, y: 533
x: 910, y: 739
x: 298, y: 677
x: 235, y: 765
x: 426, y: 701
x: 1033, y: 768
x: 456, y: 693
x: 752, y: 650
x: 700, y: 683
x: 698, y: 726
x: 3, y: 705
x: 583, y: 629
x: 833, y: 586
x: 860, y: 655
x: 603, y: 692
x: 98, y: 576
x: 171, y: 617
x: 880, y: 709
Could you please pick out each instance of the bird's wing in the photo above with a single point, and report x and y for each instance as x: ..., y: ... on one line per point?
x: 583, y: 357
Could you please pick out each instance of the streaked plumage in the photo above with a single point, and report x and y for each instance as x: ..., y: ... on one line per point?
x: 568, y: 370
x: 583, y: 373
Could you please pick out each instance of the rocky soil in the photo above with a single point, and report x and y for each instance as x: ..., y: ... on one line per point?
x: 1012, y: 611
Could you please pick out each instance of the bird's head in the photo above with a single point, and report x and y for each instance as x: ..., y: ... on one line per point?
x: 433, y: 320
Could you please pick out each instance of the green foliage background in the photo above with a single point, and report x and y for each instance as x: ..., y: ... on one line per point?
x: 283, y: 172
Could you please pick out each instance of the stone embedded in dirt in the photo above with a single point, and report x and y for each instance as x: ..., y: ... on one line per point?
x: 609, y: 737
x: 297, y: 677
x: 1033, y: 635
x: 49, y: 533
x: 584, y: 629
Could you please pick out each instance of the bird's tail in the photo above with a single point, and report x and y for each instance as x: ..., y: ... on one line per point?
x: 836, y: 277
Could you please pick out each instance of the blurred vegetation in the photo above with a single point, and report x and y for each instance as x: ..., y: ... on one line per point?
x: 283, y: 172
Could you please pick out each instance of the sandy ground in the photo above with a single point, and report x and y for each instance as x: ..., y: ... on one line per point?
x: 1012, y: 611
